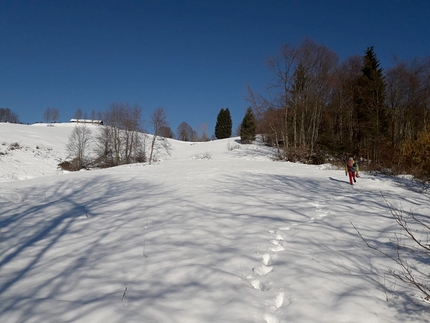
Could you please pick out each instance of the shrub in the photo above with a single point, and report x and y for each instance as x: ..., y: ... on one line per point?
x: 201, y: 156
x: 14, y: 146
x: 415, y: 156
x: 66, y: 165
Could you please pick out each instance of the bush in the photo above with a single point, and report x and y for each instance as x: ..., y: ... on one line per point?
x: 66, y: 165
x: 14, y: 146
x: 317, y: 158
x: 201, y: 156
x: 415, y: 156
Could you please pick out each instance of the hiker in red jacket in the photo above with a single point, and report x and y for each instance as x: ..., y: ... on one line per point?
x: 351, y: 168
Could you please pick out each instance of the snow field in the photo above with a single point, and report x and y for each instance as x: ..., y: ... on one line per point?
x: 233, y: 238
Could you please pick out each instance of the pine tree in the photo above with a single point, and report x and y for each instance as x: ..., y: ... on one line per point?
x: 223, y: 125
x: 371, y: 111
x: 247, y: 128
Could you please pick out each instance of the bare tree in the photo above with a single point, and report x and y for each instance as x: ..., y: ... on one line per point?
x: 406, y: 98
x: 303, y: 80
x: 122, y: 139
x: 202, y: 132
x: 282, y: 67
x: 100, y: 115
x: 158, y: 121
x: 55, y: 114
x: 104, y: 147
x: 185, y: 132
x: 315, y: 66
x: 260, y: 105
x: 47, y: 115
x: 78, y: 114
x: 195, y: 136
x: 166, y: 132
x: 273, y: 124
x: 340, y: 120
x: 78, y: 146
x: 6, y: 115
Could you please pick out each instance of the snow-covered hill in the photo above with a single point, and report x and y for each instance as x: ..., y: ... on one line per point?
x: 29, y: 151
x: 217, y: 232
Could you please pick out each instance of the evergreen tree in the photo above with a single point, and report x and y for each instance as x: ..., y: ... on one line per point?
x: 224, y: 125
x: 247, y: 128
x: 371, y: 112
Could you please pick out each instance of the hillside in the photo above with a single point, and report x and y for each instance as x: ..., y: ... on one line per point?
x: 208, y: 234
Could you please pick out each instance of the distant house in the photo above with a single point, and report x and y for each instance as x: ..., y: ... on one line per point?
x: 99, y: 122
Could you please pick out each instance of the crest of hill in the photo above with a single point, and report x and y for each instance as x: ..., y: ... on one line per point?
x: 30, y: 151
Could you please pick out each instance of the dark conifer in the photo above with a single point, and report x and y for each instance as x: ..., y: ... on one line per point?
x: 247, y: 128
x: 371, y: 110
x: 223, y: 125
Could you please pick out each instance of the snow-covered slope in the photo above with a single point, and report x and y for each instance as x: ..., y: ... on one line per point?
x: 28, y: 151
x: 217, y: 232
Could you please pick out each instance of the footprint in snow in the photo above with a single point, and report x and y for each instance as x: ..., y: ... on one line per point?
x: 279, y: 300
x: 267, y: 259
x: 258, y: 285
x: 278, y: 235
x: 263, y: 269
x: 278, y: 246
x: 270, y: 318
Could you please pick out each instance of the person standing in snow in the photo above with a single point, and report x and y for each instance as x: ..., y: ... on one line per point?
x: 351, y: 169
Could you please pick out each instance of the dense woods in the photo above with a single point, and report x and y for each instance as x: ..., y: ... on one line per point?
x: 319, y: 109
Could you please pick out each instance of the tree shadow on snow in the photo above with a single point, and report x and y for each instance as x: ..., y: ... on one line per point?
x: 285, y: 200
x: 101, y: 242
x: 51, y: 245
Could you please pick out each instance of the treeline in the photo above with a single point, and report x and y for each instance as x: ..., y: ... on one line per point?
x: 6, y: 115
x: 121, y: 140
x: 184, y: 131
x: 319, y: 109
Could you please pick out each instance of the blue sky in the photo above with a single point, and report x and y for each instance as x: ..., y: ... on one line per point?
x: 190, y: 57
